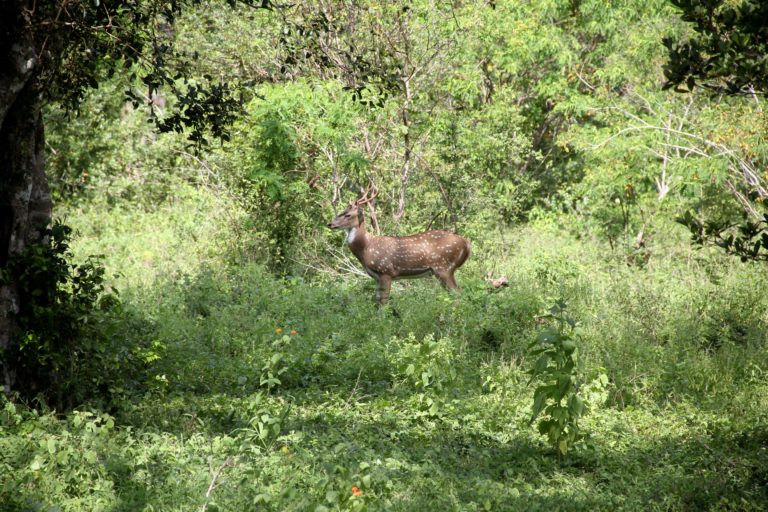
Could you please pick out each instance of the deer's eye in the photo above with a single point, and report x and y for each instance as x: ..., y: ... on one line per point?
x: 347, y: 215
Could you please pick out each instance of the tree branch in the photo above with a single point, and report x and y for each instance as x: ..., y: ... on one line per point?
x: 227, y: 463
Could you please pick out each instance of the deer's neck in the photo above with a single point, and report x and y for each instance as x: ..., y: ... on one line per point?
x: 357, y: 239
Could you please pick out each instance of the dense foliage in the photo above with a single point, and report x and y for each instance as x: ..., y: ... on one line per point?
x: 727, y: 52
x: 58, y: 346
x: 244, y: 365
x: 55, y: 52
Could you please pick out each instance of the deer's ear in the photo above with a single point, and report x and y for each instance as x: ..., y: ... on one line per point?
x: 360, y: 217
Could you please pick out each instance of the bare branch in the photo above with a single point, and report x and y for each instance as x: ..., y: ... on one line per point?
x: 745, y: 203
x: 685, y: 144
x: 227, y: 463
x: 751, y: 90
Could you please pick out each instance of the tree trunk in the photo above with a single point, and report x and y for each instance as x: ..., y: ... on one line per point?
x: 405, y: 173
x: 25, y: 200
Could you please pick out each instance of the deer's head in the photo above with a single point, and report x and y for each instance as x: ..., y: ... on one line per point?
x: 352, y: 217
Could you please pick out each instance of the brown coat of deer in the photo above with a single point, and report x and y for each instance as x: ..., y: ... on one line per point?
x: 386, y: 258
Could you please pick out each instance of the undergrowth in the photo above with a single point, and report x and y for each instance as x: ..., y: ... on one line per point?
x: 296, y: 393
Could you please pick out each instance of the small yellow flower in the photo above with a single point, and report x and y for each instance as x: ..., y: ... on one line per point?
x: 279, y: 330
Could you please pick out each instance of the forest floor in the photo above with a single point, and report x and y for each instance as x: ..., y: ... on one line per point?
x: 296, y: 393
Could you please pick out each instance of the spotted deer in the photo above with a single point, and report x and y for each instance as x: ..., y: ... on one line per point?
x: 386, y: 258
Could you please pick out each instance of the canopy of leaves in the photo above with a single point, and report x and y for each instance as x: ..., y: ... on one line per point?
x: 81, y: 44
x: 728, y: 50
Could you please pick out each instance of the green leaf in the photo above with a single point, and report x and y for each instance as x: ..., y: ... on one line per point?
x: 539, y: 401
x: 541, y: 363
x: 576, y: 406
x: 62, y: 457
x: 266, y: 498
x: 544, y: 426
x: 563, y: 385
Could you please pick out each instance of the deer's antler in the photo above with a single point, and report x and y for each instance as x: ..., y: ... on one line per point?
x: 365, y: 199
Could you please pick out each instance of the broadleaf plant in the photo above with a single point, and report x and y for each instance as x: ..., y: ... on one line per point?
x: 556, y: 401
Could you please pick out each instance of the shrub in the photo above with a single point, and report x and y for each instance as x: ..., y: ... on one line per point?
x: 64, y: 352
x: 558, y: 396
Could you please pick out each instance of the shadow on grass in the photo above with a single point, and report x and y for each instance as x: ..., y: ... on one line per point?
x: 423, y: 463
x: 216, y: 330
x: 445, y: 469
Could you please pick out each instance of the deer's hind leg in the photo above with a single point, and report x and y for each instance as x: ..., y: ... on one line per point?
x: 446, y: 278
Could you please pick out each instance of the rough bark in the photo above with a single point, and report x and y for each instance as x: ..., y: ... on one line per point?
x: 25, y: 201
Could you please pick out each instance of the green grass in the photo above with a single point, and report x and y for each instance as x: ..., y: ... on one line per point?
x: 423, y: 405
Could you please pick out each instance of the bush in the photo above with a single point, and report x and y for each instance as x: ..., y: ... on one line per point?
x: 65, y: 352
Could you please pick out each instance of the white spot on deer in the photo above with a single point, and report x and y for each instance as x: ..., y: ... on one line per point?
x: 351, y: 232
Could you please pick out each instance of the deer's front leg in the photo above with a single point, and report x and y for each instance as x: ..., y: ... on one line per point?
x: 383, y: 284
